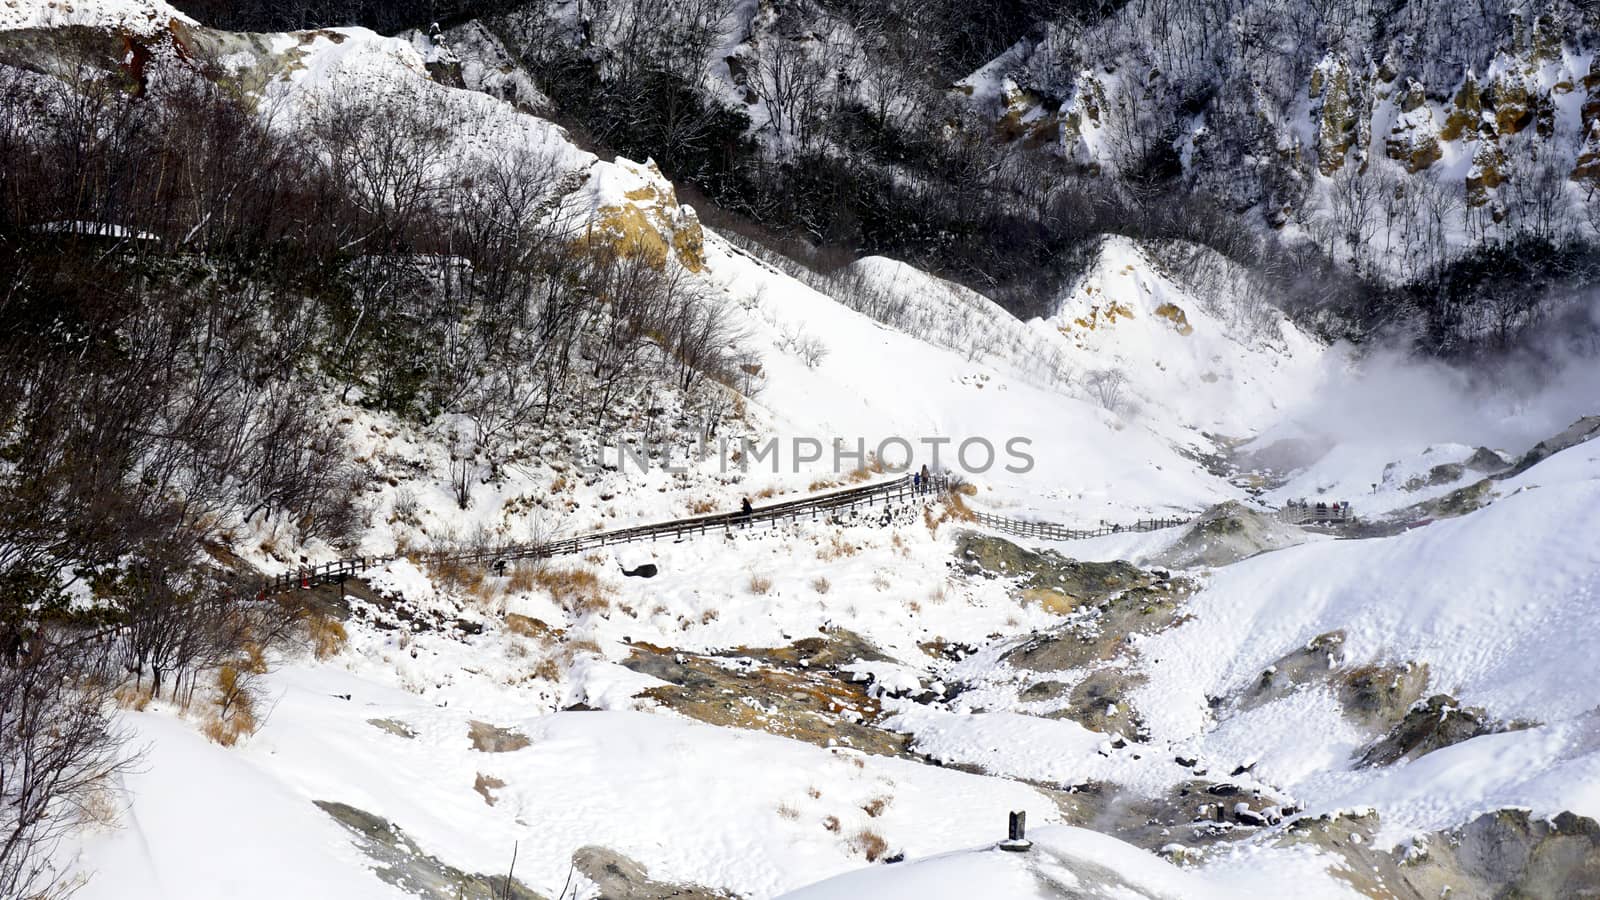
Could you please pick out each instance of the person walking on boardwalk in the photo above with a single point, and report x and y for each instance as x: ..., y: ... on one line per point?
x: 746, y: 511
x: 924, y: 475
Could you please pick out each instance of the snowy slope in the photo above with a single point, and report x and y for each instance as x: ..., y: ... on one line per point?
x: 1186, y: 363
x: 877, y: 383
x: 1496, y: 603
x: 1074, y: 862
x: 136, y: 16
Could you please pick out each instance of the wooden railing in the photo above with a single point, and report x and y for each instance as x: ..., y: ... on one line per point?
x: 1050, y: 531
x: 903, y: 489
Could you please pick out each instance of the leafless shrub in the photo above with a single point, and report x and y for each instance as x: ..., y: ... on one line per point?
x: 1107, y: 387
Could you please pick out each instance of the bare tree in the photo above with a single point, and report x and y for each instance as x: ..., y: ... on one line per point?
x: 57, y: 748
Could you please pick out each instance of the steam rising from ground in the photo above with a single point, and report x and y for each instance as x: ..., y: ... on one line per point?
x: 1386, y: 397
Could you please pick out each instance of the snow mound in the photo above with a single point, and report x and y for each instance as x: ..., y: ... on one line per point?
x: 1496, y: 604
x: 1225, y: 534
x: 142, y: 17
x: 1067, y: 863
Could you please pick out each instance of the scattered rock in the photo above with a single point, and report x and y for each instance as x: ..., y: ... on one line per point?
x: 487, y: 785
x: 619, y: 878
x: 488, y: 738
x: 1244, y: 815
x: 394, y: 727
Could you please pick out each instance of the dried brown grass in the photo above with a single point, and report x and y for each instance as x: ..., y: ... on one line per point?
x: 327, y: 634
x: 235, y: 716
x: 836, y: 548
x: 870, y: 844
x: 578, y: 590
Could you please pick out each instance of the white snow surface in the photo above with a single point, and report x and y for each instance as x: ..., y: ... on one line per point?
x: 1499, y: 604
x: 135, y: 16
x: 1066, y: 861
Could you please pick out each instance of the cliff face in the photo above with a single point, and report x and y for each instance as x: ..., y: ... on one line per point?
x: 1271, y: 102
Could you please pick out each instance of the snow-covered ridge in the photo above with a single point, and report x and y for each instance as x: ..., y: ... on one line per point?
x: 479, y: 714
x: 144, y: 17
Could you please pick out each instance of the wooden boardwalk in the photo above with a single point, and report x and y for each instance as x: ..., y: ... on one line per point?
x: 814, y: 507
x: 1049, y: 531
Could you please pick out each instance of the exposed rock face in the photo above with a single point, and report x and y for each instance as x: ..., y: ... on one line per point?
x: 1378, y: 696
x: 1488, y: 164
x: 400, y: 862
x: 1375, y: 697
x: 796, y: 691
x: 1585, y: 429
x: 1227, y: 533
x: 1503, y: 854
x: 1414, y: 139
x: 1047, y: 577
x: 620, y: 878
x: 488, y: 738
x: 646, y: 220
x: 1458, y: 502
x: 1337, y: 117
x: 1100, y: 703
x: 1438, y: 722
x: 1100, y: 633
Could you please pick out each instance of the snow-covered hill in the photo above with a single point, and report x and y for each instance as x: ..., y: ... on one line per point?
x: 778, y: 707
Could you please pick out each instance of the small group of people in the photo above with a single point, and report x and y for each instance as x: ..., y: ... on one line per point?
x: 1337, y: 509
x: 922, y: 482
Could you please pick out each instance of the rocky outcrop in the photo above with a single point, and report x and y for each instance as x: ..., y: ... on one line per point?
x: 1225, y: 534
x: 797, y: 692
x: 1376, y: 697
x: 1337, y: 114
x: 1414, y: 140
x: 1585, y: 429
x: 1438, y: 722
x: 1046, y: 577
x: 1504, y: 854
x: 617, y: 877
x: 1102, y: 703
x: 399, y: 861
